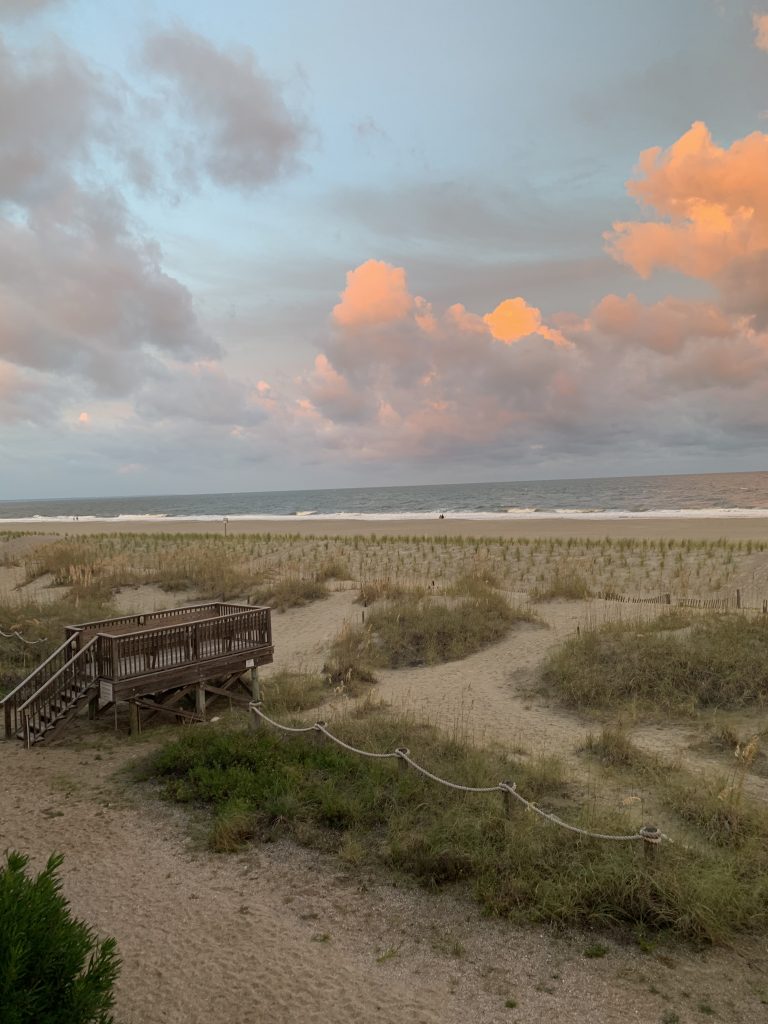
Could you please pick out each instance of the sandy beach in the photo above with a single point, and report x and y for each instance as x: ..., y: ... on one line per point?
x: 704, y: 528
x: 283, y: 934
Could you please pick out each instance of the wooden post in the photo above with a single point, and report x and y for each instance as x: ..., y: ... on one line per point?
x: 254, y: 720
x: 254, y: 681
x: 738, y: 598
x: 403, y: 763
x: 93, y: 708
x: 134, y: 720
x: 507, y: 798
x: 765, y: 607
x: 200, y: 700
x: 651, y: 842
x: 320, y: 736
x: 668, y: 598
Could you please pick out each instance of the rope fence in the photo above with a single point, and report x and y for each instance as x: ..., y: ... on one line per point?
x: 649, y: 835
x: 14, y: 635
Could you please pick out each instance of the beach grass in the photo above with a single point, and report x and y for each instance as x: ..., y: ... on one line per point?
x: 258, y: 786
x: 670, y: 665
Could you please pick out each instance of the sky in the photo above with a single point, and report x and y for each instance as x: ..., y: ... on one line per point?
x: 257, y: 246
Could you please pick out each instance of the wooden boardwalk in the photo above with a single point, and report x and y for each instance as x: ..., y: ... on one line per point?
x: 157, y: 662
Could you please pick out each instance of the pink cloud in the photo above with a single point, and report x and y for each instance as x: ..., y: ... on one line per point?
x: 664, y: 326
x: 376, y: 293
x: 714, y: 201
x: 760, y: 25
x: 514, y: 319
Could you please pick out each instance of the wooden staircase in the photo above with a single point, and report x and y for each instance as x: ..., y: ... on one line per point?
x: 53, y: 692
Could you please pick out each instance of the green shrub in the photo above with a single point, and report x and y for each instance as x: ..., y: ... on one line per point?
x: 53, y: 969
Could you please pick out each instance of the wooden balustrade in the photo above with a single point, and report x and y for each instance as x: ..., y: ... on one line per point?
x: 63, y: 689
x: 13, y: 701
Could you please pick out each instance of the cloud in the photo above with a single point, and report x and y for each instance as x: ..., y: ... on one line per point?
x: 760, y: 25
x: 81, y: 294
x: 376, y: 293
x: 664, y: 326
x: 241, y: 133
x: 54, y: 110
x: 84, y: 298
x: 17, y: 9
x: 514, y: 319
x: 715, y: 202
x: 399, y: 380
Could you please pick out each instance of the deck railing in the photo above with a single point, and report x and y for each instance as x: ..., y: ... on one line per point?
x: 156, y: 650
x: 13, y: 701
x: 144, y: 620
x: 59, y: 692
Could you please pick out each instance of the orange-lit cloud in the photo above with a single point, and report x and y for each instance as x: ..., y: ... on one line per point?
x: 84, y: 417
x: 760, y: 25
x: 664, y: 326
x: 514, y: 319
x: 714, y: 202
x: 376, y: 293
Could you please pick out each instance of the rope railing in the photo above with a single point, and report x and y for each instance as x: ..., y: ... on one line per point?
x: 15, y: 635
x: 650, y: 835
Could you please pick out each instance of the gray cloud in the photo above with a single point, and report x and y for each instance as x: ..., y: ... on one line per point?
x: 53, y: 110
x: 17, y: 9
x: 240, y: 132
x: 81, y: 294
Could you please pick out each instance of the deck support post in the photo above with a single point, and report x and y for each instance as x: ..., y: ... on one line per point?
x: 134, y: 721
x: 200, y: 700
x: 93, y: 708
x: 253, y: 681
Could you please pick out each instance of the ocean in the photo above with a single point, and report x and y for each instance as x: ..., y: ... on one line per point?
x: 679, y: 497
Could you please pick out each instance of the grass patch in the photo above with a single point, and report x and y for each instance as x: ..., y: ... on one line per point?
x: 566, y: 584
x: 351, y: 658
x: 720, y: 661
x: 44, y: 622
x: 258, y: 785
x: 428, y: 631
x: 288, y: 691
x: 715, y: 806
x: 386, y: 590
x: 292, y: 592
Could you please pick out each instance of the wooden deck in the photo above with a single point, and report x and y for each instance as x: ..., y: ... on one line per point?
x: 154, y: 659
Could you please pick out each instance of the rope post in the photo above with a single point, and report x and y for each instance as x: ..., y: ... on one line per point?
x: 651, y: 843
x: 506, y: 793
x: 319, y: 737
x: 254, y: 719
x: 738, y: 598
x: 402, y: 753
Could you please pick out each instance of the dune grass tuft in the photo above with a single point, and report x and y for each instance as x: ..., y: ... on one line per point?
x: 428, y: 631
x: 721, y: 661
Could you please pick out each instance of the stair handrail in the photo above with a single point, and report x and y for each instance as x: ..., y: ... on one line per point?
x: 43, y: 692
x: 11, y: 702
